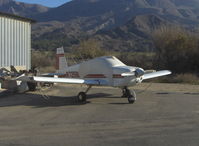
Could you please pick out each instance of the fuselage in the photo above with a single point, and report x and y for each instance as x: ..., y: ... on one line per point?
x: 109, y: 69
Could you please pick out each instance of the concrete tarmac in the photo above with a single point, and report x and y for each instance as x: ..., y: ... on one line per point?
x: 163, y: 115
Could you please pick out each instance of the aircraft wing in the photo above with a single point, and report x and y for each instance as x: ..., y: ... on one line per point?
x: 62, y: 80
x: 53, y: 74
x: 156, y: 74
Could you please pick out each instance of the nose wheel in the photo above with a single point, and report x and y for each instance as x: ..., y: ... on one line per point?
x: 131, y: 95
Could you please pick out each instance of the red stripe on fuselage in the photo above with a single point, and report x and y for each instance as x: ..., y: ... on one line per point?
x: 117, y: 76
x: 76, y: 75
x: 95, y: 76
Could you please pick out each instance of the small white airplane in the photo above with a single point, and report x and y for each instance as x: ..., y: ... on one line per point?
x: 101, y: 71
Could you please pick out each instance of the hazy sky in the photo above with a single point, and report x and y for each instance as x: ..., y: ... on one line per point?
x: 49, y: 3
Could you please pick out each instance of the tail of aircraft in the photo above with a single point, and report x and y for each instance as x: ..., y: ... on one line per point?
x: 61, y: 64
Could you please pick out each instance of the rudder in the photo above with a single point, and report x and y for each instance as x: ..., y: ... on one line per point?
x: 61, y: 63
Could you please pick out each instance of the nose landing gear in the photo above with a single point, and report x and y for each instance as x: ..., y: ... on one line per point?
x: 131, y: 95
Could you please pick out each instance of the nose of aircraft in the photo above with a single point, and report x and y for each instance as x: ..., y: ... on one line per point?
x: 139, y: 72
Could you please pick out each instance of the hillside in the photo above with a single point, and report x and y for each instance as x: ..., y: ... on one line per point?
x: 117, y: 24
x: 135, y: 35
x: 109, y: 22
x: 121, y: 8
x: 19, y: 8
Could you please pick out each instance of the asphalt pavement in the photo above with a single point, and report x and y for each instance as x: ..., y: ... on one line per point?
x: 52, y: 117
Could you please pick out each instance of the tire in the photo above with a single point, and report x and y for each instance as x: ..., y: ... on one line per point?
x: 131, y: 97
x: 32, y: 86
x: 81, y: 97
x: 126, y: 93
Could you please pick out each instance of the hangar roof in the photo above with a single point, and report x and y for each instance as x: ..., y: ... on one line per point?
x: 17, y: 17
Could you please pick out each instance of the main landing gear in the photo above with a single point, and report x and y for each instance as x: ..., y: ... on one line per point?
x: 81, y: 97
x: 131, y: 95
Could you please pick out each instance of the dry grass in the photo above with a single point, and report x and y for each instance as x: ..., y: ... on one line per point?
x: 44, y: 61
x: 187, y: 78
x: 49, y: 69
x: 168, y: 87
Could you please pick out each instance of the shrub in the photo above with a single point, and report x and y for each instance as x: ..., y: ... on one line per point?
x: 177, y: 50
x: 43, y: 60
x: 138, y: 59
x: 88, y: 49
x: 178, y: 78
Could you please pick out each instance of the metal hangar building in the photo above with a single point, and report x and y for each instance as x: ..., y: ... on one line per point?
x: 15, y: 41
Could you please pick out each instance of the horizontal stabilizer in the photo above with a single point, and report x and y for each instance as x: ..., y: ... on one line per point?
x: 156, y: 74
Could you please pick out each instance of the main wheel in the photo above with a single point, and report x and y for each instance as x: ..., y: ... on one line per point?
x: 32, y: 86
x: 125, y: 92
x: 132, y: 97
x: 81, y: 97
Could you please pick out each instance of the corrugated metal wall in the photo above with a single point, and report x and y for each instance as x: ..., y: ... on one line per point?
x: 15, y: 42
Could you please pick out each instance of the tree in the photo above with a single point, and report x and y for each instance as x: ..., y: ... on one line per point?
x: 176, y: 49
x: 88, y: 49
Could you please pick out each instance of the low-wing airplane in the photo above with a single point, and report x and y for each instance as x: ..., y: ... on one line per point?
x: 101, y: 71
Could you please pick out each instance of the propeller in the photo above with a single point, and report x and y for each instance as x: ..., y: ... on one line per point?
x: 137, y: 73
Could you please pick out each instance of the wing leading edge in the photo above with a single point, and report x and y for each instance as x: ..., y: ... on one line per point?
x: 61, y: 80
x: 156, y: 74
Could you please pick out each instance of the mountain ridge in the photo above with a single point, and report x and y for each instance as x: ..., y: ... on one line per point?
x: 83, y: 19
x: 78, y: 20
x: 20, y: 8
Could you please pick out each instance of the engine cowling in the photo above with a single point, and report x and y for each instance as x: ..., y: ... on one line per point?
x: 139, y: 72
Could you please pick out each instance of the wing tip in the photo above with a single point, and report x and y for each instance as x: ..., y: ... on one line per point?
x: 168, y: 71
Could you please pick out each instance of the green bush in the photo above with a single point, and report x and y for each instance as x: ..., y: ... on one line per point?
x: 177, y: 50
x: 144, y: 60
x: 88, y: 49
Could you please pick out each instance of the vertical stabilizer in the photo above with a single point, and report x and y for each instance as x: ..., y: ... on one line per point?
x: 61, y: 64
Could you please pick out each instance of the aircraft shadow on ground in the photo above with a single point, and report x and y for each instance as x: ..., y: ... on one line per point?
x: 37, y: 100
x: 189, y: 93
x: 186, y: 93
